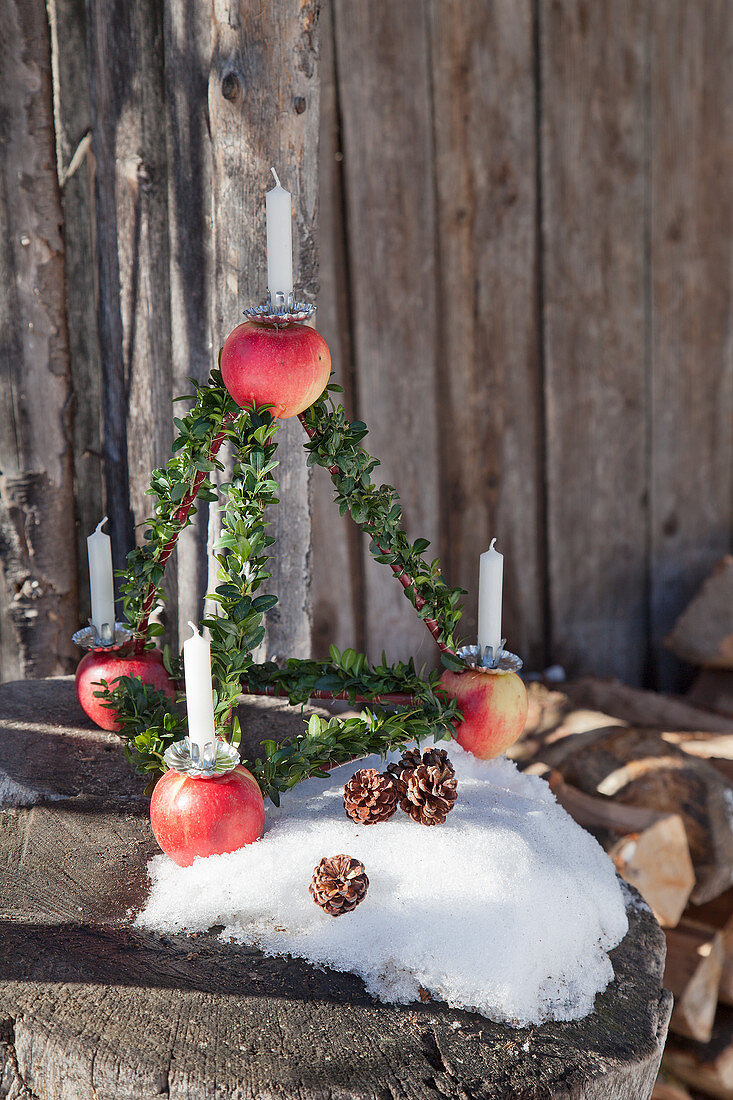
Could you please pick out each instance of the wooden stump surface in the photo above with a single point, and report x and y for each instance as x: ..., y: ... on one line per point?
x: 91, y: 1007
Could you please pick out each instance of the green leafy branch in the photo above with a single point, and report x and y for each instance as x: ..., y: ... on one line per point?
x: 175, y: 487
x: 242, y: 554
x: 329, y: 742
x: 335, y: 443
x: 150, y: 722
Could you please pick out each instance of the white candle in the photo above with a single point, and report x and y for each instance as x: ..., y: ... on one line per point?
x: 490, y: 581
x: 199, y: 699
x: 101, y: 582
x: 279, y: 241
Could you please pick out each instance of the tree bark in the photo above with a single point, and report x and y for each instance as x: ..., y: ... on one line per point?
x: 37, y: 537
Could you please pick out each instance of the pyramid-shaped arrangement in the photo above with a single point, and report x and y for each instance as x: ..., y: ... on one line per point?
x: 273, y: 367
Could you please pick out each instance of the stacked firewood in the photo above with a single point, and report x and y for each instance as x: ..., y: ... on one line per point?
x: 652, y: 777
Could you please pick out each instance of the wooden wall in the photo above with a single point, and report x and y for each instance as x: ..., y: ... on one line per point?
x: 524, y: 213
x: 526, y: 259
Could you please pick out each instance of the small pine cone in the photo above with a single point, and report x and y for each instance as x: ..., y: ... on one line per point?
x: 429, y: 792
x: 339, y: 883
x: 410, y: 760
x: 407, y: 762
x: 370, y: 796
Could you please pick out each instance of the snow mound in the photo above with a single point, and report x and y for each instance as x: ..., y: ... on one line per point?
x: 509, y: 908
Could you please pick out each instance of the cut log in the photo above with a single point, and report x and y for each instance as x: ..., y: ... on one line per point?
x: 703, y: 634
x: 692, y: 973
x: 718, y: 913
x: 75, y: 970
x: 713, y: 690
x: 704, y: 745
x: 646, y: 709
x: 551, y: 717
x: 706, y: 1066
x: 649, y: 849
x: 639, y: 768
x: 667, y: 1090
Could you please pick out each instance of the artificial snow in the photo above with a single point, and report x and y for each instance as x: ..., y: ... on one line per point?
x: 509, y: 908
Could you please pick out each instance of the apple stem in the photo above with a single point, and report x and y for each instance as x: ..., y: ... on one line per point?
x: 179, y: 518
x: 405, y: 580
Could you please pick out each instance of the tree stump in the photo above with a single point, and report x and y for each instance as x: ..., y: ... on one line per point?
x: 91, y: 1007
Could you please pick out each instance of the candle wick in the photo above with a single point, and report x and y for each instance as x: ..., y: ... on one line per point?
x: 277, y: 178
x: 100, y: 525
x: 194, y: 628
x: 492, y: 545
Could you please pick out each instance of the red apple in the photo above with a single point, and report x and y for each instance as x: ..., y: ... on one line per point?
x: 494, y: 707
x: 286, y: 366
x: 98, y: 665
x: 206, y: 817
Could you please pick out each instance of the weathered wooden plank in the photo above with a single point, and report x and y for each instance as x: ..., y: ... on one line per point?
x: 489, y: 385
x: 383, y: 72
x: 263, y: 109
x: 37, y: 539
x: 691, y: 243
x: 337, y: 555
x: 75, y: 166
x: 593, y: 80
x: 128, y: 128
x: 91, y: 1007
x: 187, y: 41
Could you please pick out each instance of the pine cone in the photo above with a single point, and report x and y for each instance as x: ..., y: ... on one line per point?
x: 432, y: 758
x: 407, y: 762
x: 339, y: 883
x: 429, y: 790
x: 370, y: 796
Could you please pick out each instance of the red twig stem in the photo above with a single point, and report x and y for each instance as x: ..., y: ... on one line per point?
x: 179, y: 519
x: 396, y: 699
x: 405, y: 580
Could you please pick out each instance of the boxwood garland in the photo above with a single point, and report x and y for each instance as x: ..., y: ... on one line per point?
x: 150, y: 722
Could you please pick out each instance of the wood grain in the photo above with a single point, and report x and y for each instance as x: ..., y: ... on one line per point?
x: 488, y: 384
x: 75, y: 167
x: 187, y: 49
x: 383, y: 70
x: 338, y: 546
x: 264, y: 109
x: 593, y: 72
x: 692, y: 974
x: 93, y: 1008
x: 691, y: 369
x: 37, y: 538
x: 131, y: 201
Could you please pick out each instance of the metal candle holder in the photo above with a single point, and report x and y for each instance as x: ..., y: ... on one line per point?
x: 485, y: 660
x: 219, y: 757
x: 281, y: 311
x: 109, y: 641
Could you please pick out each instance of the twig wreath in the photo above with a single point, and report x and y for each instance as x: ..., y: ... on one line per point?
x: 150, y: 722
